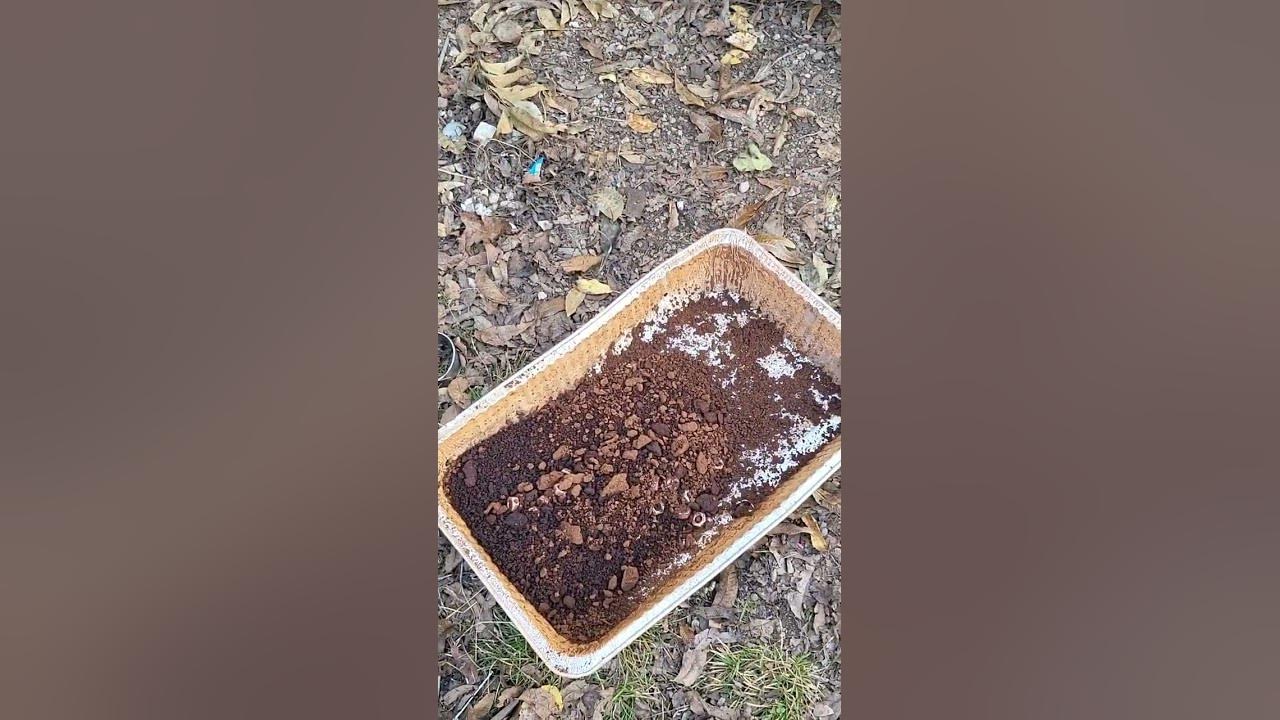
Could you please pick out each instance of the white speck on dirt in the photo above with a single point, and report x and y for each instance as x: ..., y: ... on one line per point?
x: 823, y: 400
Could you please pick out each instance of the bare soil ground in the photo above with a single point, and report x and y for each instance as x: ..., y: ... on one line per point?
x: 646, y: 124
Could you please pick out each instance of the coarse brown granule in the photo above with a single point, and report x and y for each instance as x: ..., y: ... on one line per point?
x: 588, y: 501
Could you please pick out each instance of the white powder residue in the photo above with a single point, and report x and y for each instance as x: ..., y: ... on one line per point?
x: 710, y: 345
x: 823, y: 400
x: 777, y: 365
x: 770, y: 465
x: 656, y: 320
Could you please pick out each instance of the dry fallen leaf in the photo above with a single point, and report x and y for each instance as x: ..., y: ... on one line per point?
x: 752, y: 160
x: 687, y: 96
x: 500, y: 68
x: 815, y: 533
x: 490, y: 290
x: 591, y: 286
x: 745, y: 41
x: 733, y: 57
x: 641, y: 124
x: 458, y: 388
x: 548, y: 20
x: 580, y: 263
x: 652, y: 76
x: 632, y: 95
x: 610, y: 203
x: 572, y: 300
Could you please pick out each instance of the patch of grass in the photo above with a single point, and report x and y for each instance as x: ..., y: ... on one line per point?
x: 765, y: 678
x: 475, y: 392
x: 506, y: 654
x: 630, y: 674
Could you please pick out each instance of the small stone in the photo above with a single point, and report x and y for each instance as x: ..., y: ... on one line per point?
x: 569, y: 601
x: 484, y: 133
x: 630, y: 576
x: 660, y: 429
x: 469, y: 473
x: 640, y: 441
x: 617, y: 484
x: 516, y: 519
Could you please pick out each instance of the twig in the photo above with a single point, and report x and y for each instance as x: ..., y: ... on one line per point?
x: 473, y: 695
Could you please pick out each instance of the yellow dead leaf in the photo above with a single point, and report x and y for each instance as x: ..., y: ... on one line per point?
x: 687, y: 96
x: 815, y: 533
x: 641, y: 124
x: 504, y: 123
x: 611, y: 77
x: 500, y: 68
x: 554, y: 692
x: 733, y: 57
x: 518, y: 92
x: 652, y: 76
x: 743, y: 40
x: 740, y: 18
x: 591, y: 286
x: 580, y: 263
x: 572, y: 300
x: 501, y: 80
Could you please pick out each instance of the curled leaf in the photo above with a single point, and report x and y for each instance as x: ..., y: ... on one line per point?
x: 591, y: 286
x: 815, y: 533
x: 500, y: 68
x: 733, y: 57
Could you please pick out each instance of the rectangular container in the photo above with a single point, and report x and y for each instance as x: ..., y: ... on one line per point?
x: 724, y: 259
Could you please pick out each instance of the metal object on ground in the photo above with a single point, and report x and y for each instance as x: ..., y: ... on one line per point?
x: 450, y: 361
x: 724, y: 259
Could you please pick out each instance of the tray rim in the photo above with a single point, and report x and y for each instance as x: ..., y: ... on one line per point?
x: 571, y: 665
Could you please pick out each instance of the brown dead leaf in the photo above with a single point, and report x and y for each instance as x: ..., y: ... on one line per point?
x: 741, y: 90
x: 726, y: 588
x: 829, y: 152
x: 572, y: 300
x: 632, y: 95
x: 580, y: 263
x: 709, y: 129
x: 489, y: 290
x: 651, y: 76
x: 641, y: 124
x: 673, y: 215
x: 458, y: 388
x: 740, y: 117
x: 746, y: 214
x: 482, y: 229
x: 813, y: 16
x: 593, y: 48
x: 501, y: 335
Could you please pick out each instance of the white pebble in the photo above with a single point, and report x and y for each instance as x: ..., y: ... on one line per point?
x: 744, y: 186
